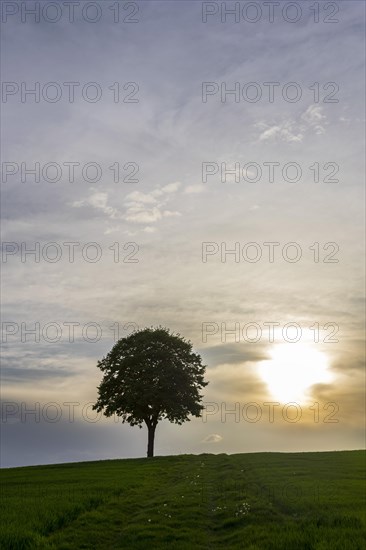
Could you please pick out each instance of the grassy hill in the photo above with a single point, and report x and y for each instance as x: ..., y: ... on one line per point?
x: 255, y: 501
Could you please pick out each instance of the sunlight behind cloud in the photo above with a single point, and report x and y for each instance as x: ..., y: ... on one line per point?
x: 292, y: 370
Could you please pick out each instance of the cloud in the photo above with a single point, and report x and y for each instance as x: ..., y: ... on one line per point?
x: 171, y: 187
x: 193, y: 189
x: 283, y: 132
x: 137, y: 213
x: 98, y: 201
x: 149, y: 229
x: 114, y: 229
x: 170, y: 214
x: 212, y: 438
x: 232, y: 353
x: 138, y: 210
x: 314, y: 117
x: 34, y: 375
x: 293, y: 130
x: 145, y: 198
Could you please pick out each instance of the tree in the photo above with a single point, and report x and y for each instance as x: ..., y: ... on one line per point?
x: 150, y: 375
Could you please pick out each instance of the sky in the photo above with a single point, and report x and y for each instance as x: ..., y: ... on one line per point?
x: 182, y: 166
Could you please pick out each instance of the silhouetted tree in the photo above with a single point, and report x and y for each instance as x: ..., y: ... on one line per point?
x: 150, y: 375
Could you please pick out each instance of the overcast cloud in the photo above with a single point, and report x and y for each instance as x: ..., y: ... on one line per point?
x: 162, y: 220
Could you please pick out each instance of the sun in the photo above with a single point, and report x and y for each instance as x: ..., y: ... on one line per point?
x: 292, y: 370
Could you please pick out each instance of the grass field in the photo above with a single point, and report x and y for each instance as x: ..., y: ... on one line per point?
x: 256, y: 501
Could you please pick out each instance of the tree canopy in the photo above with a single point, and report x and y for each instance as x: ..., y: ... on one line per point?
x: 151, y: 375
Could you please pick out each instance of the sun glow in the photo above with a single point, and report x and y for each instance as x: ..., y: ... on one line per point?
x: 292, y: 370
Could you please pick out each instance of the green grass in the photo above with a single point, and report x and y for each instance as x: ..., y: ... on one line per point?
x: 259, y: 501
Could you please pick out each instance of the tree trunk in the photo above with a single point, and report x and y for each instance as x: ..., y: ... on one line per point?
x: 151, y: 435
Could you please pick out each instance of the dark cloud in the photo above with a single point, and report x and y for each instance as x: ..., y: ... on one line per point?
x: 29, y: 442
x: 236, y: 353
x: 30, y: 375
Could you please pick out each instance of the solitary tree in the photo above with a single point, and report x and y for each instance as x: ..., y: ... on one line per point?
x: 150, y: 375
